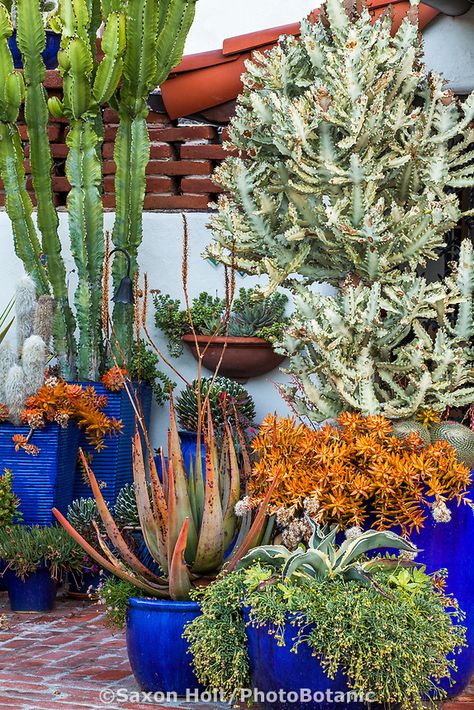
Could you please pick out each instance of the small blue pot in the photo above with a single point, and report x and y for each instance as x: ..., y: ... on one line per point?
x: 450, y: 546
x: 79, y: 583
x: 50, y: 54
x: 44, y: 481
x: 36, y: 593
x: 156, y: 650
x: 113, y: 465
x: 275, y: 669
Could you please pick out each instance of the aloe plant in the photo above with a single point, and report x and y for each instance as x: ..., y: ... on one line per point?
x: 141, y: 42
x: 188, y: 523
x: 323, y: 559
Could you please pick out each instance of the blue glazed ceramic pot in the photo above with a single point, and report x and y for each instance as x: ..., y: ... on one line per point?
x: 50, y: 54
x: 281, y: 675
x: 156, y: 650
x: 44, y: 481
x: 188, y: 441
x: 450, y: 546
x: 36, y: 593
x: 113, y: 465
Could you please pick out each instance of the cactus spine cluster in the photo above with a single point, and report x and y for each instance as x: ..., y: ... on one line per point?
x: 142, y: 40
x: 22, y: 372
x: 349, y: 156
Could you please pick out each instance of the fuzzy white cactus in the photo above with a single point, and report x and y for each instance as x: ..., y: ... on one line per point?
x: 15, y: 393
x: 7, y: 360
x: 25, y: 309
x: 44, y: 318
x: 33, y: 363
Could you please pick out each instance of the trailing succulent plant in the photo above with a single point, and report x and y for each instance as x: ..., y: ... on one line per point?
x: 22, y: 372
x: 229, y: 402
x: 141, y: 41
x: 187, y: 522
x: 350, y: 154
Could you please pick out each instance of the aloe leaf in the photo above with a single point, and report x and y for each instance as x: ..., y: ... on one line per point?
x: 112, y: 530
x: 210, y: 550
x: 154, y: 531
x: 230, y: 520
x: 183, y: 508
x: 103, y: 562
x: 179, y: 580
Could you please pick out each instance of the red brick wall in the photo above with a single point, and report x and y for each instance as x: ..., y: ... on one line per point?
x: 179, y: 175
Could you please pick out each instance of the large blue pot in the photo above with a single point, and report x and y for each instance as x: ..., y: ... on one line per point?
x: 36, y: 593
x: 50, y: 54
x: 281, y: 675
x: 157, y: 652
x: 450, y: 546
x: 44, y: 481
x: 113, y: 465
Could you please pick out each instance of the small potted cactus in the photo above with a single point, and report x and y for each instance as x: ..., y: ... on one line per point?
x: 239, y: 343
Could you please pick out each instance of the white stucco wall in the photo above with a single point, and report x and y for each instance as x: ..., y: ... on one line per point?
x: 160, y: 257
x: 218, y: 19
x: 449, y: 50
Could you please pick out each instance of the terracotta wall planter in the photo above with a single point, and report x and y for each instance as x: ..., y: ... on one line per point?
x: 243, y: 357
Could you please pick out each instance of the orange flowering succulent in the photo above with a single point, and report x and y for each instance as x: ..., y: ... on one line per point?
x: 354, y: 471
x: 59, y: 402
x: 114, y: 379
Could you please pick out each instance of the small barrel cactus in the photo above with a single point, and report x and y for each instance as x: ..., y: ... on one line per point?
x: 224, y: 392
x: 460, y: 437
x: 410, y: 426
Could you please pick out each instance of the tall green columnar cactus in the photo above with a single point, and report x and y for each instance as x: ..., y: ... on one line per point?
x: 349, y: 156
x: 32, y: 41
x: 156, y: 33
x: 141, y: 41
x: 86, y: 88
x: 18, y: 202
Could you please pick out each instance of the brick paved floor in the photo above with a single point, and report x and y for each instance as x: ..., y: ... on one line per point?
x: 62, y: 660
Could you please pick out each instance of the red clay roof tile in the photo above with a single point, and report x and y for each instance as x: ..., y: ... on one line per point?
x: 203, y: 81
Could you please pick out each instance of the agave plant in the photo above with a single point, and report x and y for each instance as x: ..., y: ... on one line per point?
x: 188, y: 523
x: 323, y: 559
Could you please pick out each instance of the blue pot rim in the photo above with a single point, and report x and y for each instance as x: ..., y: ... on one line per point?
x: 162, y: 605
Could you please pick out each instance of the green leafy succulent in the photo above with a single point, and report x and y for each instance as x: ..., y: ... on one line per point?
x: 324, y: 559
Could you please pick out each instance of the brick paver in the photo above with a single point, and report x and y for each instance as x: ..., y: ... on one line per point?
x: 63, y: 660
